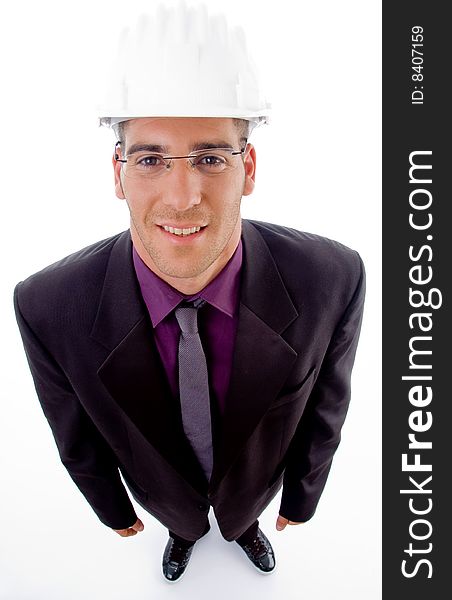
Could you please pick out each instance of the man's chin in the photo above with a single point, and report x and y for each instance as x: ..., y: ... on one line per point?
x: 181, y: 273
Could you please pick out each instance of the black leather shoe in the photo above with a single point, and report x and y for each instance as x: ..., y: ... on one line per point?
x: 260, y: 553
x: 175, y: 559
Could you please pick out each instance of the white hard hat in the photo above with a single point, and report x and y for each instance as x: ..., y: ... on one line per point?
x: 181, y: 62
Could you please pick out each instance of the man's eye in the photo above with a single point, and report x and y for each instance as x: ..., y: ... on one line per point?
x: 211, y: 160
x: 150, y: 161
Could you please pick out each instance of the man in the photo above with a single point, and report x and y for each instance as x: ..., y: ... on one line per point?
x: 205, y: 357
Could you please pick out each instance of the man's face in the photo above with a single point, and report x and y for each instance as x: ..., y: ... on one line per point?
x: 183, y: 198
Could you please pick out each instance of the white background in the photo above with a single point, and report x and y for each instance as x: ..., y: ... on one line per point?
x: 318, y: 170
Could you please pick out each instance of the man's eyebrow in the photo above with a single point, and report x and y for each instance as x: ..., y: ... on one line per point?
x: 211, y: 145
x: 145, y: 147
x: 142, y: 147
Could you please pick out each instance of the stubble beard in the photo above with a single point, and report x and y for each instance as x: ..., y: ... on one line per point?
x: 184, y: 262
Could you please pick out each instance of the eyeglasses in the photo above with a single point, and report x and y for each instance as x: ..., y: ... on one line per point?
x: 149, y: 165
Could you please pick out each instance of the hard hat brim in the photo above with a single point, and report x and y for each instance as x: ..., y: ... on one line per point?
x: 257, y: 119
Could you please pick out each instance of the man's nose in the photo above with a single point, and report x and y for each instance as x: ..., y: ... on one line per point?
x: 181, y: 185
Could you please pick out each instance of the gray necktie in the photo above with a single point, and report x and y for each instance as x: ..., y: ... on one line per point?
x: 194, y: 385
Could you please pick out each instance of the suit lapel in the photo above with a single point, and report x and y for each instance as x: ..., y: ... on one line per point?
x: 134, y: 374
x: 262, y: 358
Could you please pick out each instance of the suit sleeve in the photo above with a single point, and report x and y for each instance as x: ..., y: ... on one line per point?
x: 82, y: 449
x: 311, y: 451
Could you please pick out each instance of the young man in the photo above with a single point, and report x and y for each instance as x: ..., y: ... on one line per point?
x: 205, y: 357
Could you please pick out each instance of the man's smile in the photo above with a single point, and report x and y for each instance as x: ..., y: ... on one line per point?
x: 182, y: 232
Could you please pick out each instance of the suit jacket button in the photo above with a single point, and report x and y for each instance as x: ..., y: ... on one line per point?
x: 202, y: 506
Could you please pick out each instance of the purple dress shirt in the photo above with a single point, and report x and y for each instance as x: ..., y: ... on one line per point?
x: 217, y: 329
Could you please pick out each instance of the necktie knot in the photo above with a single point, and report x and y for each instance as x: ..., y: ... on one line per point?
x: 187, y: 315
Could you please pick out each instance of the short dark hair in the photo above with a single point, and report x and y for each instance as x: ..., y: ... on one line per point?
x: 242, y: 125
x: 119, y: 129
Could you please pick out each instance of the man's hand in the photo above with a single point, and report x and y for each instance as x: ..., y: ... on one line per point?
x: 137, y: 526
x: 281, y: 522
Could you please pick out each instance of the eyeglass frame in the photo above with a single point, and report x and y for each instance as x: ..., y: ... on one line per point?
x: 170, y: 158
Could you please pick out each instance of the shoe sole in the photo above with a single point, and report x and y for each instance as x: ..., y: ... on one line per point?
x: 260, y: 570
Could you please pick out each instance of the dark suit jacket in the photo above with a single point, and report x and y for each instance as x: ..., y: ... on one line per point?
x: 99, y: 378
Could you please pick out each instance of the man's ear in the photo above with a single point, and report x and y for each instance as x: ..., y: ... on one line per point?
x: 250, y: 169
x: 117, y: 173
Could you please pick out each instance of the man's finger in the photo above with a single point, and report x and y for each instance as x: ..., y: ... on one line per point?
x: 125, y: 532
x: 138, y: 525
x: 281, y: 522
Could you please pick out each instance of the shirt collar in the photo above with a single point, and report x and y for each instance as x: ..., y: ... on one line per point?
x: 161, y: 298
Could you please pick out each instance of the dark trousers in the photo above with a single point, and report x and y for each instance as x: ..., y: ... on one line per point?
x: 245, y: 538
